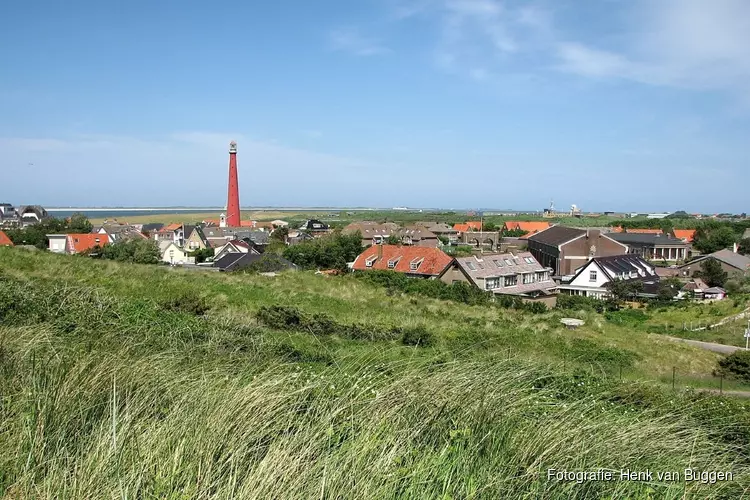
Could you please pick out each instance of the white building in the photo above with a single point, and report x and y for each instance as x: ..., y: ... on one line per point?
x: 172, y: 254
x: 592, y: 278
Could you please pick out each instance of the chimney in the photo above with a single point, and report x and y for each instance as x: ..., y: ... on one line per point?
x: 380, y: 251
x: 735, y: 248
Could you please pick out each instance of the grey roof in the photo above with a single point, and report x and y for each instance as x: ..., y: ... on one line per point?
x: 214, y: 232
x: 728, y: 257
x: 38, y: 210
x: 199, y: 231
x: 505, y: 264
x: 417, y: 233
x: 624, y: 264
x: 187, y: 230
x: 370, y: 228
x: 257, y: 237
x: 236, y: 261
x: 647, y: 239
x: 714, y: 289
x: 156, y: 226
x: 556, y: 235
x: 314, y: 225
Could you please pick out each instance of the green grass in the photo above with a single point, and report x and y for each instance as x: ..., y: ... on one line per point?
x: 112, y: 385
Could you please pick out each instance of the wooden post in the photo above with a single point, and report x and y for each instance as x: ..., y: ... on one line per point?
x: 620, y: 373
x: 674, y: 374
x: 721, y: 385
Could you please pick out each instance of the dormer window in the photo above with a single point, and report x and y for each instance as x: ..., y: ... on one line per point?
x: 393, y: 263
x: 370, y: 261
x: 414, y: 265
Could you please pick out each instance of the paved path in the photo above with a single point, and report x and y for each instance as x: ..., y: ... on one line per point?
x: 709, y: 346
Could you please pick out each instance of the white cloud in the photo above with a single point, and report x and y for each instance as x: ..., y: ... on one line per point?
x: 687, y: 43
x: 479, y: 38
x: 349, y: 39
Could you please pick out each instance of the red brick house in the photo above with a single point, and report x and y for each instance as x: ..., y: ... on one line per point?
x: 422, y: 262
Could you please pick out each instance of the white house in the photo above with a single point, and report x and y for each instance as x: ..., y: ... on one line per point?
x: 172, y: 254
x: 591, y: 279
x: 57, y: 243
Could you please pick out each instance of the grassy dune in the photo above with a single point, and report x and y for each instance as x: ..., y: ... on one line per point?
x: 115, y: 384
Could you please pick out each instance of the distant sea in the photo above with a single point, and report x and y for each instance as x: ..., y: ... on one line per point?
x: 117, y: 213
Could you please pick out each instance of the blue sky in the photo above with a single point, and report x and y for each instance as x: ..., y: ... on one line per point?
x: 611, y: 105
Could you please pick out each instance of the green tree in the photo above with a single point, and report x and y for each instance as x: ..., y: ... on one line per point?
x: 202, y: 254
x: 711, y: 237
x: 280, y: 234
x: 712, y: 273
x: 744, y: 248
x: 666, y: 225
x: 79, y: 223
x: 622, y: 290
x: 393, y: 240
x: 515, y: 233
x: 332, y: 251
x: 137, y: 251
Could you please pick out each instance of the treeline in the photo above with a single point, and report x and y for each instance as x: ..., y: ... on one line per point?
x: 36, y: 234
x: 332, y: 251
x: 136, y: 251
x: 461, y: 292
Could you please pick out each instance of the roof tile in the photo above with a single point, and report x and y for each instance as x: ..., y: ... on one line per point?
x: 434, y: 260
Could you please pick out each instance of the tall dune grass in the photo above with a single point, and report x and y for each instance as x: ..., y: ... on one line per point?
x: 117, y: 425
x: 107, y: 394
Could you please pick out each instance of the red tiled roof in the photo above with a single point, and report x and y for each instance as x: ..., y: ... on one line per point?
x: 171, y: 227
x: 528, y: 226
x: 86, y: 241
x: 434, y: 260
x: 643, y: 231
x: 4, y: 240
x: 468, y: 226
x: 685, y: 234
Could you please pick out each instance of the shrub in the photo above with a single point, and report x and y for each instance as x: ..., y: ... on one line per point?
x: 736, y: 365
x: 577, y: 302
x: 137, y: 251
x: 418, y: 336
x: 291, y: 318
x: 633, y: 317
x: 268, y: 263
x: 187, y: 302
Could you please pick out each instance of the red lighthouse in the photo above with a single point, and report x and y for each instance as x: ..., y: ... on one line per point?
x: 233, y: 199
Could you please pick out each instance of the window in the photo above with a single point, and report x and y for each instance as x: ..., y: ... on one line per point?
x: 369, y: 262
x: 470, y: 265
x: 511, y: 280
x: 414, y: 265
x: 392, y: 263
x: 528, y: 278
x: 508, y: 262
x: 498, y: 263
x: 592, y: 275
x: 491, y: 283
x: 528, y: 260
x: 541, y: 276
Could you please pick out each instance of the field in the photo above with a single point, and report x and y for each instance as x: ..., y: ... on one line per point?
x: 136, y: 381
x: 342, y: 217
